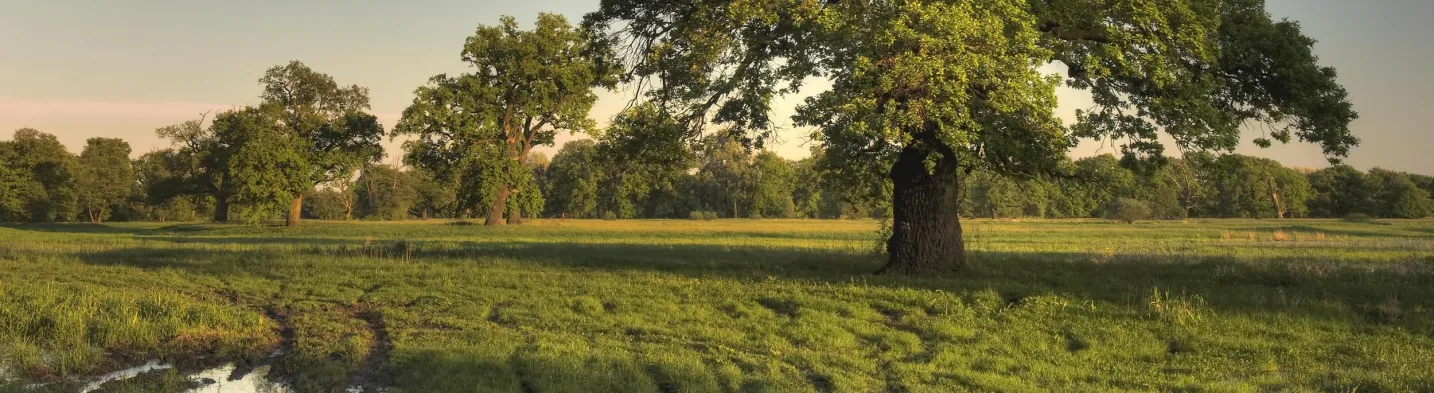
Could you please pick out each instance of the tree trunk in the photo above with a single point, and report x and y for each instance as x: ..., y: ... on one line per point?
x: 221, y: 209
x: 1275, y: 196
x: 925, y: 225
x: 495, y: 212
x: 515, y: 217
x: 296, y: 208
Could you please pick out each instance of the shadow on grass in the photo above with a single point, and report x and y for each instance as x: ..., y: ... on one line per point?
x: 1291, y: 285
x: 1375, y: 231
x: 75, y: 228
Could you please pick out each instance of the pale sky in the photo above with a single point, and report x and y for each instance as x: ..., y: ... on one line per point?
x: 81, y: 69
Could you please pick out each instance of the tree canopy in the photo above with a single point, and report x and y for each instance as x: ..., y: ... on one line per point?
x: 926, y: 90
x: 106, y: 176
x: 526, y: 85
x: 328, y: 133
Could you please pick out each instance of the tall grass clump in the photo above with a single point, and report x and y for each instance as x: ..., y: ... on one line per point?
x: 50, y: 330
x: 1178, y: 309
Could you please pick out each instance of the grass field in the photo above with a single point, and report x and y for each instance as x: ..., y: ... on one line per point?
x: 723, y: 306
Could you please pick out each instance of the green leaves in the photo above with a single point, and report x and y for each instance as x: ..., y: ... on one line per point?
x: 962, y: 76
x: 526, y: 86
x: 268, y: 166
x: 106, y: 176
x: 340, y: 137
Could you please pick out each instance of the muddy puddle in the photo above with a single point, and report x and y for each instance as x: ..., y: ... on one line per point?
x: 225, y: 379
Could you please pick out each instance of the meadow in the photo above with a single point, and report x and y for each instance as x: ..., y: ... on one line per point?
x: 667, y: 306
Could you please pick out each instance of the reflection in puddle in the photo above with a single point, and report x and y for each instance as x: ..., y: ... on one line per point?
x: 214, y: 380
x: 153, y: 365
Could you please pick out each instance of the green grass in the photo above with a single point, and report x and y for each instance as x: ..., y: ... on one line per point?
x: 728, y: 306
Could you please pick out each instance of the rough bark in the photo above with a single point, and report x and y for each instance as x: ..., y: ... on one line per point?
x: 515, y: 217
x: 925, y: 226
x: 221, y: 209
x: 495, y: 211
x: 296, y: 208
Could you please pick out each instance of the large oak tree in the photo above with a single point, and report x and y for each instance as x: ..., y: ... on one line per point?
x: 327, y: 123
x: 925, y: 91
x: 526, y: 85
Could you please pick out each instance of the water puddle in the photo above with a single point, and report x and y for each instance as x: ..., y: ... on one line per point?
x: 222, y: 379
x: 153, y: 365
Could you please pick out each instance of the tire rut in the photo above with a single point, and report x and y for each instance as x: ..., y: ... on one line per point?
x: 368, y: 378
x: 286, y: 344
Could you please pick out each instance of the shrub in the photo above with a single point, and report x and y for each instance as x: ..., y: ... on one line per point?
x: 709, y: 215
x: 609, y: 215
x: 1130, y: 210
x: 696, y: 215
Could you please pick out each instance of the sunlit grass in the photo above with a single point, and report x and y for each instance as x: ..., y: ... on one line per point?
x: 732, y: 305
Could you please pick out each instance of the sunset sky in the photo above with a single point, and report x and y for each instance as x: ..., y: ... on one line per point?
x: 81, y: 69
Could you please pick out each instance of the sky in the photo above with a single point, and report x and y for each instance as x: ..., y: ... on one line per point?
x: 82, y: 69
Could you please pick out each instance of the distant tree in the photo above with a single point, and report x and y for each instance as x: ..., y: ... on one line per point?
x: 1184, y: 175
x: 201, y: 162
x: 435, y: 196
x: 478, y: 128
x: 994, y: 195
x: 105, y: 177
x: 331, y: 134
x: 846, y: 193
x: 1339, y: 191
x: 725, y: 170
x: 574, y: 178
x: 1256, y: 188
x: 643, y: 152
x: 1425, y: 182
x: 326, y: 204
x: 772, y: 186
x: 807, y: 188
x: 269, y: 166
x: 159, y: 180
x: 48, y: 193
x: 1397, y: 196
x: 386, y: 193
x: 13, y: 182
x: 1100, y: 180
x: 1161, y: 189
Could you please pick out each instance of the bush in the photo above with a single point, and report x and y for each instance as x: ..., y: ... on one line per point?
x: 1130, y: 210
x: 696, y: 215
x: 609, y: 215
x: 709, y: 215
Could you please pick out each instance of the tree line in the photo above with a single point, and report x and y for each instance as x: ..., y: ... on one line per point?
x: 636, y: 169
